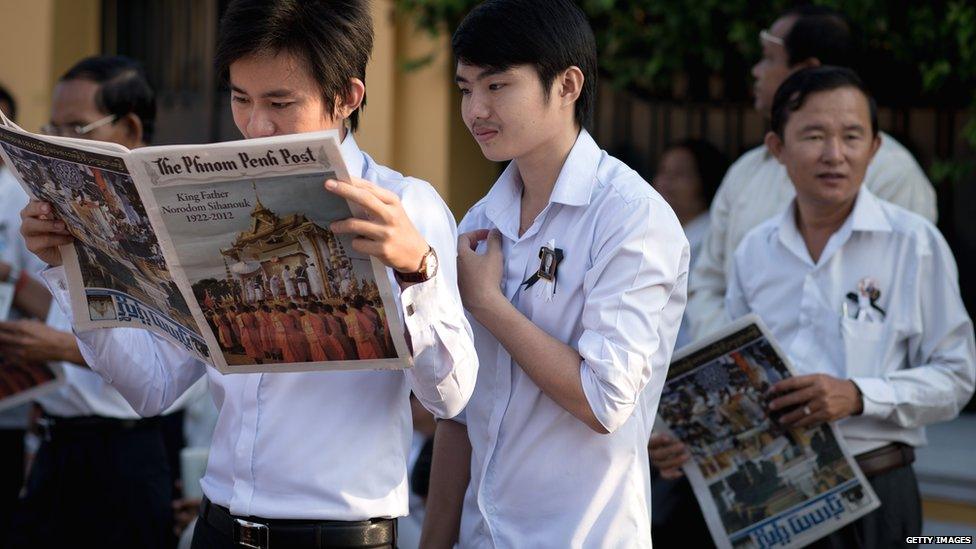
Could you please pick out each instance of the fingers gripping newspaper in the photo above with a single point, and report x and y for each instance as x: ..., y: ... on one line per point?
x: 759, y: 485
x: 224, y: 249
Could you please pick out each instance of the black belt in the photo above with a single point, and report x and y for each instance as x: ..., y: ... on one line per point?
x: 259, y: 533
x: 54, y: 426
x: 884, y: 459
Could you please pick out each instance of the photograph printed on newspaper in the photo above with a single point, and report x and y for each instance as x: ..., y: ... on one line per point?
x: 272, y: 287
x: 759, y: 484
x: 115, y: 266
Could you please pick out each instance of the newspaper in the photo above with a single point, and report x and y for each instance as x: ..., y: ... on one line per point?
x: 759, y: 485
x: 223, y: 249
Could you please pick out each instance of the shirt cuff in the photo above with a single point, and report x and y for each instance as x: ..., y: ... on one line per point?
x: 420, y: 310
x: 878, y: 397
x: 56, y: 281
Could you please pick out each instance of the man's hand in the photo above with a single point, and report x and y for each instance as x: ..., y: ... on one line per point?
x: 184, y: 511
x: 34, y: 341
x: 387, y: 233
x: 814, y: 399
x: 668, y: 454
x: 44, y: 232
x: 480, y: 276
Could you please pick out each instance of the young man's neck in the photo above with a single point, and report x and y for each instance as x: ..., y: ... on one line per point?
x: 540, y: 168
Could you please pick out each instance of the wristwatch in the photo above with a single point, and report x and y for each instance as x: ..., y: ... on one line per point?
x: 427, y: 270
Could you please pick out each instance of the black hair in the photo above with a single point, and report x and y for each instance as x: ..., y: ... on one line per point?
x: 822, y: 33
x: 793, y: 92
x: 710, y: 163
x: 332, y: 38
x: 6, y: 97
x: 550, y: 35
x: 123, y: 88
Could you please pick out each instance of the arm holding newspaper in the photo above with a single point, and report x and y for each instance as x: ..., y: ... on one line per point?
x: 399, y: 230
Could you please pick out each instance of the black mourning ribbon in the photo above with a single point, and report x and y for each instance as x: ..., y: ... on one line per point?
x: 872, y: 299
x: 549, y: 260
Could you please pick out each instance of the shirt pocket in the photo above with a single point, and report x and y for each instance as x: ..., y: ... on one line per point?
x: 863, y: 346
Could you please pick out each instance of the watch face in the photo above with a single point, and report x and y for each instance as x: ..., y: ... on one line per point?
x: 430, y: 265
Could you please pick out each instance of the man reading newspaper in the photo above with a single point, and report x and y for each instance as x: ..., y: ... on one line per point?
x: 317, y: 458
x: 862, y: 295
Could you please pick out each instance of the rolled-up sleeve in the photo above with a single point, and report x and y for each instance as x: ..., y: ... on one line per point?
x: 942, y: 352
x: 635, y: 295
x: 148, y: 371
x: 445, y: 362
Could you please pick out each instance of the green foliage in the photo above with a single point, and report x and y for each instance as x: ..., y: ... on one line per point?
x: 917, y: 53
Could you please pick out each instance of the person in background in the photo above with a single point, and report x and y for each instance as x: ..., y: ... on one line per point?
x: 688, y: 174
x: 756, y: 186
x: 31, y: 299
x: 98, y: 462
x: 862, y: 295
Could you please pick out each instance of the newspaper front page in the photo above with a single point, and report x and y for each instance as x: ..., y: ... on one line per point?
x: 222, y: 249
x: 759, y: 485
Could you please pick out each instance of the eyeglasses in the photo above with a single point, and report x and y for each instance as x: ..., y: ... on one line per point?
x: 766, y: 36
x: 76, y: 130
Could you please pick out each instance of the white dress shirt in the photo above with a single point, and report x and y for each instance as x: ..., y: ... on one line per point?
x: 916, y: 365
x: 539, y: 476
x: 757, y: 188
x: 315, y: 445
x: 85, y: 393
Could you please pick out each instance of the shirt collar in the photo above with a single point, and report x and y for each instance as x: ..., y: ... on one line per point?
x: 867, y: 216
x: 351, y: 153
x: 574, y: 186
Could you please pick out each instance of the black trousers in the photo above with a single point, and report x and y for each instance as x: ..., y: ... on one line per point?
x: 107, y: 488
x: 680, y: 523
x: 11, y: 476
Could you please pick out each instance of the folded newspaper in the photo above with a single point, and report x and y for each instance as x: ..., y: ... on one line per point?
x: 223, y: 249
x: 759, y: 484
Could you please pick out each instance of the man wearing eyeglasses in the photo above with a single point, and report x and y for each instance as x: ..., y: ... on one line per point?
x: 98, y: 460
x: 755, y: 189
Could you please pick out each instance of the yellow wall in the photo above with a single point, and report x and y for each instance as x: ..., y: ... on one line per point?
x: 40, y: 40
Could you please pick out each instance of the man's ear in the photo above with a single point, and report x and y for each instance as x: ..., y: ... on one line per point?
x: 132, y: 126
x: 569, y: 85
x: 775, y: 145
x: 875, y: 145
x: 346, y: 105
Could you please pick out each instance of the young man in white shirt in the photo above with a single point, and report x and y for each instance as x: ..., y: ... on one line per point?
x: 757, y: 187
x: 863, y: 296
x: 309, y: 459
x: 576, y: 297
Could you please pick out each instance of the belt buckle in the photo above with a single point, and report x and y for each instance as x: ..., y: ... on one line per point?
x: 253, y: 535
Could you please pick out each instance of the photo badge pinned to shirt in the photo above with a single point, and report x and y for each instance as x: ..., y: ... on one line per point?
x: 865, y: 300
x: 544, y: 279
